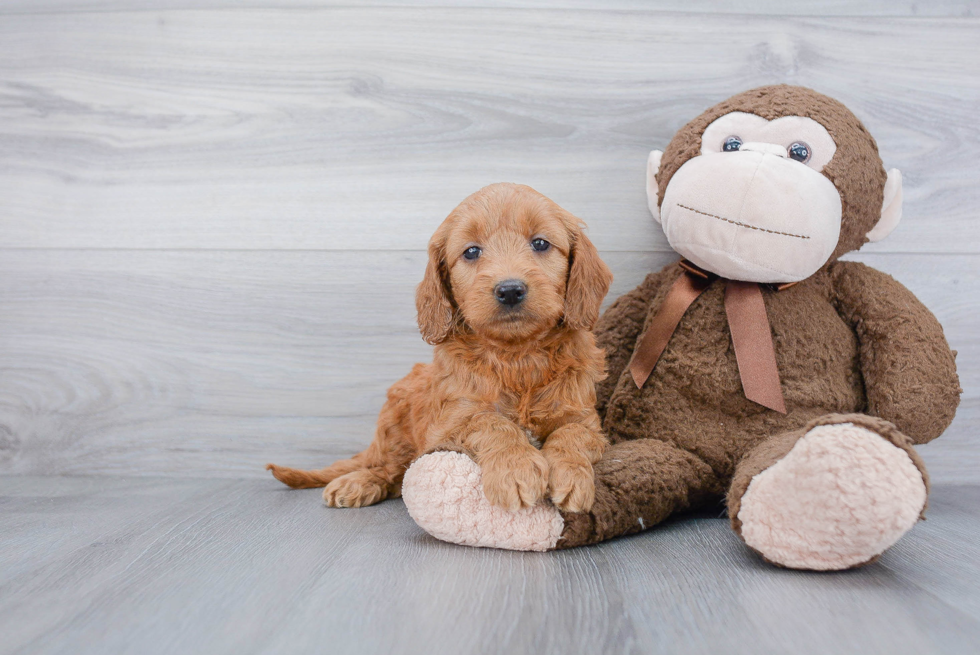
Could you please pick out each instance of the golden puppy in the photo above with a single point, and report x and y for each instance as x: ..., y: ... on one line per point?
x: 510, y: 292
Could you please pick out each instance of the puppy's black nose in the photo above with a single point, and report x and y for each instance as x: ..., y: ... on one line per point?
x: 510, y: 292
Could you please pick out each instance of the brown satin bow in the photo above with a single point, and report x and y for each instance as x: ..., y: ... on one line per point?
x: 747, y: 321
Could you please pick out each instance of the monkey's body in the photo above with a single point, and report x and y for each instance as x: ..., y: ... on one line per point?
x: 694, y: 395
x: 695, y: 392
x: 689, y: 432
x: 768, y: 187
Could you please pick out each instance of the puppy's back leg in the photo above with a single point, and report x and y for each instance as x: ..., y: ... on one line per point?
x: 382, y: 466
x: 380, y: 456
x: 376, y: 473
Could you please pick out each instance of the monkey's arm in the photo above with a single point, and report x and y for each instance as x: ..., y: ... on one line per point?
x: 621, y: 324
x: 909, y: 370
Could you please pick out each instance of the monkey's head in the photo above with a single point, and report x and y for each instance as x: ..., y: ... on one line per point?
x: 771, y: 185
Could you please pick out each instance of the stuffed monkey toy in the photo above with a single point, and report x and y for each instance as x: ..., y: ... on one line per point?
x: 760, y: 369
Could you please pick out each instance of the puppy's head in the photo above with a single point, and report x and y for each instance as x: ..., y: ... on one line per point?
x: 511, y: 265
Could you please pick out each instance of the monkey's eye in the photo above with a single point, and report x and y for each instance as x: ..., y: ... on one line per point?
x: 473, y: 252
x: 540, y: 245
x: 732, y: 144
x: 799, y: 151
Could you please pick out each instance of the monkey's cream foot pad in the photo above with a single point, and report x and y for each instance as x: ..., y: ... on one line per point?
x: 840, y: 497
x: 443, y: 492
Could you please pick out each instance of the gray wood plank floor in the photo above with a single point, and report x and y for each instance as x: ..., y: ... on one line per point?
x: 116, y: 565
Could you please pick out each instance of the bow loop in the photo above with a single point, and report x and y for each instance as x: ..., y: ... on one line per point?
x: 747, y: 321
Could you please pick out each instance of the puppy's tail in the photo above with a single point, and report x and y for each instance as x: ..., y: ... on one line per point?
x: 298, y: 479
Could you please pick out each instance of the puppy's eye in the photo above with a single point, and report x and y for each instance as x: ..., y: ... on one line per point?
x: 799, y: 151
x: 540, y: 245
x: 732, y: 144
x: 473, y: 252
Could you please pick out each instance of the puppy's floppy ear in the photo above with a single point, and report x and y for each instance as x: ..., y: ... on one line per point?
x: 433, y: 300
x: 588, y: 280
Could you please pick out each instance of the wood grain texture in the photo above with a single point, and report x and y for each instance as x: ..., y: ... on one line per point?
x: 213, y: 363
x: 962, y: 8
x: 100, y: 565
x: 190, y: 362
x: 212, y: 220
x: 359, y: 128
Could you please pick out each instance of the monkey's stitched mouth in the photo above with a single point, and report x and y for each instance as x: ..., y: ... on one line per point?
x: 751, y: 227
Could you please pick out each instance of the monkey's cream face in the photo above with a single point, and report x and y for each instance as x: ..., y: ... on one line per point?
x: 754, y: 206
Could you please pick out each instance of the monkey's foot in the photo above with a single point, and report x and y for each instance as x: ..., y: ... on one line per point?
x: 837, y: 500
x: 443, y: 492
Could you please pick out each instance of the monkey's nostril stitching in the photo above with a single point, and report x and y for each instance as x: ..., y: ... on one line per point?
x: 751, y: 227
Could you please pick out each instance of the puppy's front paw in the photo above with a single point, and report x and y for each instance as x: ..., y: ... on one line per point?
x: 572, y: 485
x: 515, y: 480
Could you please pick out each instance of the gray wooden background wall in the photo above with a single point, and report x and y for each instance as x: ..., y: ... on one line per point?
x: 213, y: 212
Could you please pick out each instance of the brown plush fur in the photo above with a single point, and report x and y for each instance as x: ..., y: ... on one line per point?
x: 500, y: 376
x: 852, y: 345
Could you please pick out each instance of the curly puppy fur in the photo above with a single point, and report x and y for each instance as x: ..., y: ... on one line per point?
x: 504, y: 377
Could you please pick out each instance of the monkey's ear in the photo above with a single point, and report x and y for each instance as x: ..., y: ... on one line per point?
x: 588, y: 282
x: 891, y: 207
x: 653, y: 191
x: 432, y: 296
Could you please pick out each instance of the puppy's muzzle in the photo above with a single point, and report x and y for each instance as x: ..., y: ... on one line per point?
x: 510, y: 293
